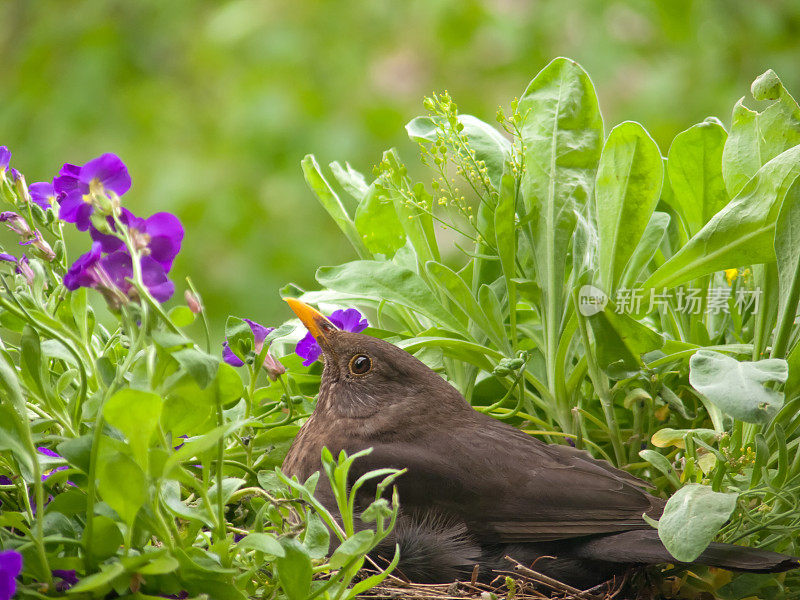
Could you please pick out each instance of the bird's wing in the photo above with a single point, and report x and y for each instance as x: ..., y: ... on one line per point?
x: 510, y: 487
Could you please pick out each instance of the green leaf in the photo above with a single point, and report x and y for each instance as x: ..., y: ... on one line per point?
x: 106, y: 538
x: 627, y: 189
x: 121, y: 483
x: 645, y: 249
x: 351, y: 180
x: 99, y: 581
x: 741, y: 389
x: 694, y: 165
x: 136, y: 414
x: 387, y: 281
x: 562, y: 132
x: 13, y: 438
x: 330, y: 201
x: 262, y: 542
x: 378, y: 224
x: 741, y: 233
x: 691, y: 519
x: 356, y: 545
x: 787, y: 251
x: 620, y: 341
x: 181, y: 316
x: 758, y: 137
x: 200, y: 365
x: 30, y: 363
x: 660, y: 462
x: 664, y: 438
x: 456, y: 289
x: 10, y: 392
x: 317, y: 537
x: 294, y: 569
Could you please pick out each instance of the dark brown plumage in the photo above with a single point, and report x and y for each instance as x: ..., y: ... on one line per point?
x: 476, y: 488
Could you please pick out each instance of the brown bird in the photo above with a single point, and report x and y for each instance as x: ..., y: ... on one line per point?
x: 478, y: 489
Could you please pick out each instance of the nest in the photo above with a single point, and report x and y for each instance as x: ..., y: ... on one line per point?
x: 518, y: 583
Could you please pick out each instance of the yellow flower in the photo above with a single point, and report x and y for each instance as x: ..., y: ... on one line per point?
x: 731, y: 275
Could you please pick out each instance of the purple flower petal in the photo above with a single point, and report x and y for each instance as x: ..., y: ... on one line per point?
x: 259, y: 333
x: 349, y: 320
x: 10, y: 568
x: 43, y: 194
x: 155, y: 278
x: 5, y: 158
x: 80, y: 273
x: 8, y: 257
x: 108, y: 170
x: 68, y: 579
x: 109, y: 242
x: 48, y: 452
x: 308, y: 349
x: 74, y: 210
x: 5, y: 480
x: 15, y: 175
x: 229, y: 357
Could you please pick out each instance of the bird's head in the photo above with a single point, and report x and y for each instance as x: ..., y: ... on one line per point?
x: 363, y: 375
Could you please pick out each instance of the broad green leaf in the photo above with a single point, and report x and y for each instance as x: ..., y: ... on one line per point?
x: 356, y: 545
x: 457, y: 290
x: 135, y: 413
x: 387, y: 281
x: 626, y: 191
x: 200, y: 365
x: 263, y: 542
x: 13, y: 438
x: 694, y: 166
x: 620, y: 341
x: 691, y: 519
x: 30, y: 363
x: 664, y: 438
x: 186, y: 407
x: 645, y: 249
x: 758, y: 137
x: 787, y: 251
x: 294, y: 569
x: 106, y: 538
x: 122, y: 484
x: 378, y: 224
x: 563, y: 133
x: 660, y: 462
x: 741, y: 233
x: 317, y: 537
x: 200, y: 444
x: 181, y: 316
x: 171, y: 496
x: 159, y: 566
x: 505, y: 230
x: 330, y: 201
x: 351, y: 180
x: 741, y: 389
x: 99, y: 581
x: 10, y: 392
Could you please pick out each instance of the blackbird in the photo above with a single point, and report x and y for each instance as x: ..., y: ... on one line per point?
x: 478, y: 489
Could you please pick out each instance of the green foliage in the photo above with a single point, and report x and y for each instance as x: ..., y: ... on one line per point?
x: 575, y: 291
x: 141, y: 462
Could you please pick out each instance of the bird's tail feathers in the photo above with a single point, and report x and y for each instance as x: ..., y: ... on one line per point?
x: 644, y: 547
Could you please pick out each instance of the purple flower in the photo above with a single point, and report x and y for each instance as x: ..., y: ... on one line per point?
x: 10, y: 568
x: 120, y: 267
x: 5, y: 480
x: 272, y: 366
x: 43, y: 194
x: 83, y: 272
x: 260, y: 333
x: 15, y: 175
x: 347, y: 320
x: 110, y: 275
x: 76, y: 185
x: 5, y: 158
x: 51, y: 454
x: 38, y: 242
x: 22, y: 266
x: 68, y: 578
x: 158, y: 236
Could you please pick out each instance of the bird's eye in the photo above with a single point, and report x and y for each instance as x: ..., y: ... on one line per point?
x: 360, y: 364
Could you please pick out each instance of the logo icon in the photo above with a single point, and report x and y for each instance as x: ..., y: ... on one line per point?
x: 591, y: 300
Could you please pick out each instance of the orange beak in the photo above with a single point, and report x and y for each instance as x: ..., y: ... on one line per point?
x: 316, y: 323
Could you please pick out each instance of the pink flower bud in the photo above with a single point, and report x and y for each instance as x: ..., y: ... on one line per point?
x: 193, y: 302
x: 273, y: 367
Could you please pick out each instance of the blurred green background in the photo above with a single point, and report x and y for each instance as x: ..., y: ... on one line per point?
x: 213, y: 104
